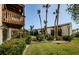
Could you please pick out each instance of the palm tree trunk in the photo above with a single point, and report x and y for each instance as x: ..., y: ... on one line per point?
x: 40, y: 22
x: 46, y: 20
x: 56, y: 23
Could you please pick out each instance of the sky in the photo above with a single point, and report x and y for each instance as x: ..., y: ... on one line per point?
x: 31, y: 16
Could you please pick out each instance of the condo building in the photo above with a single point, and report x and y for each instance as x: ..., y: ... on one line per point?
x: 11, y: 20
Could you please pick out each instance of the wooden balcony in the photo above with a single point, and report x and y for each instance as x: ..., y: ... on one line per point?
x: 12, y: 18
x: 20, y: 5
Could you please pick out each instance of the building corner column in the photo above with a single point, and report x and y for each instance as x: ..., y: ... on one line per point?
x: 9, y: 33
x: 1, y: 32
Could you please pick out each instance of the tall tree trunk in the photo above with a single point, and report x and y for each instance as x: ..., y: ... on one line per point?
x: 46, y: 6
x: 56, y: 23
x: 46, y: 21
x: 40, y: 22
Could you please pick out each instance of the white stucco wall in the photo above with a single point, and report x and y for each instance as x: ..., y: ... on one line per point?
x: 70, y: 29
x: 1, y: 35
x: 66, y: 29
x: 49, y: 30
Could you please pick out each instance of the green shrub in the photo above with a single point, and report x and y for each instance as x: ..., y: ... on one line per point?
x: 67, y: 38
x: 40, y: 37
x: 35, y: 32
x: 77, y: 34
x: 12, y: 47
x: 49, y: 37
x: 28, y: 40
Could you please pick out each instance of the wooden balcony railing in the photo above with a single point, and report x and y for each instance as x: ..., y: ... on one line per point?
x: 12, y: 18
x: 20, y: 4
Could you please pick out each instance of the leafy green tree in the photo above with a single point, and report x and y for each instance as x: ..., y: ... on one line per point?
x: 73, y: 10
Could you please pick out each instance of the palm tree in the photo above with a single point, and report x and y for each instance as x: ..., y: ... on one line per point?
x: 45, y: 26
x: 56, y: 22
x: 38, y: 12
x: 31, y: 29
x: 46, y: 6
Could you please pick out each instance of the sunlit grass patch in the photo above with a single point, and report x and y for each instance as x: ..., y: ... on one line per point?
x: 50, y: 48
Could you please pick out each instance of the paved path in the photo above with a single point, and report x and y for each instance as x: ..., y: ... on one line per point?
x: 60, y: 41
x: 25, y: 49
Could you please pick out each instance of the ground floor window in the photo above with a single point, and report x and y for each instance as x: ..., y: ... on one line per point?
x: 59, y: 32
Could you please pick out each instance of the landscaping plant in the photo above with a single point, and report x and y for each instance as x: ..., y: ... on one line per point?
x: 28, y: 40
x: 12, y: 47
x: 40, y: 37
x: 67, y: 38
x: 49, y: 37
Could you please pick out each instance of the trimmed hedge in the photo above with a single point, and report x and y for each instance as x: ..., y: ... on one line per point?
x: 67, y: 38
x: 12, y: 47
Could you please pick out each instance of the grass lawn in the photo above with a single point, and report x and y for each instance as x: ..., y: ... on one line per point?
x: 51, y: 48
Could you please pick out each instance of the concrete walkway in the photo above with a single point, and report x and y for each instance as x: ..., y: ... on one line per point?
x: 25, y: 49
x: 60, y: 41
